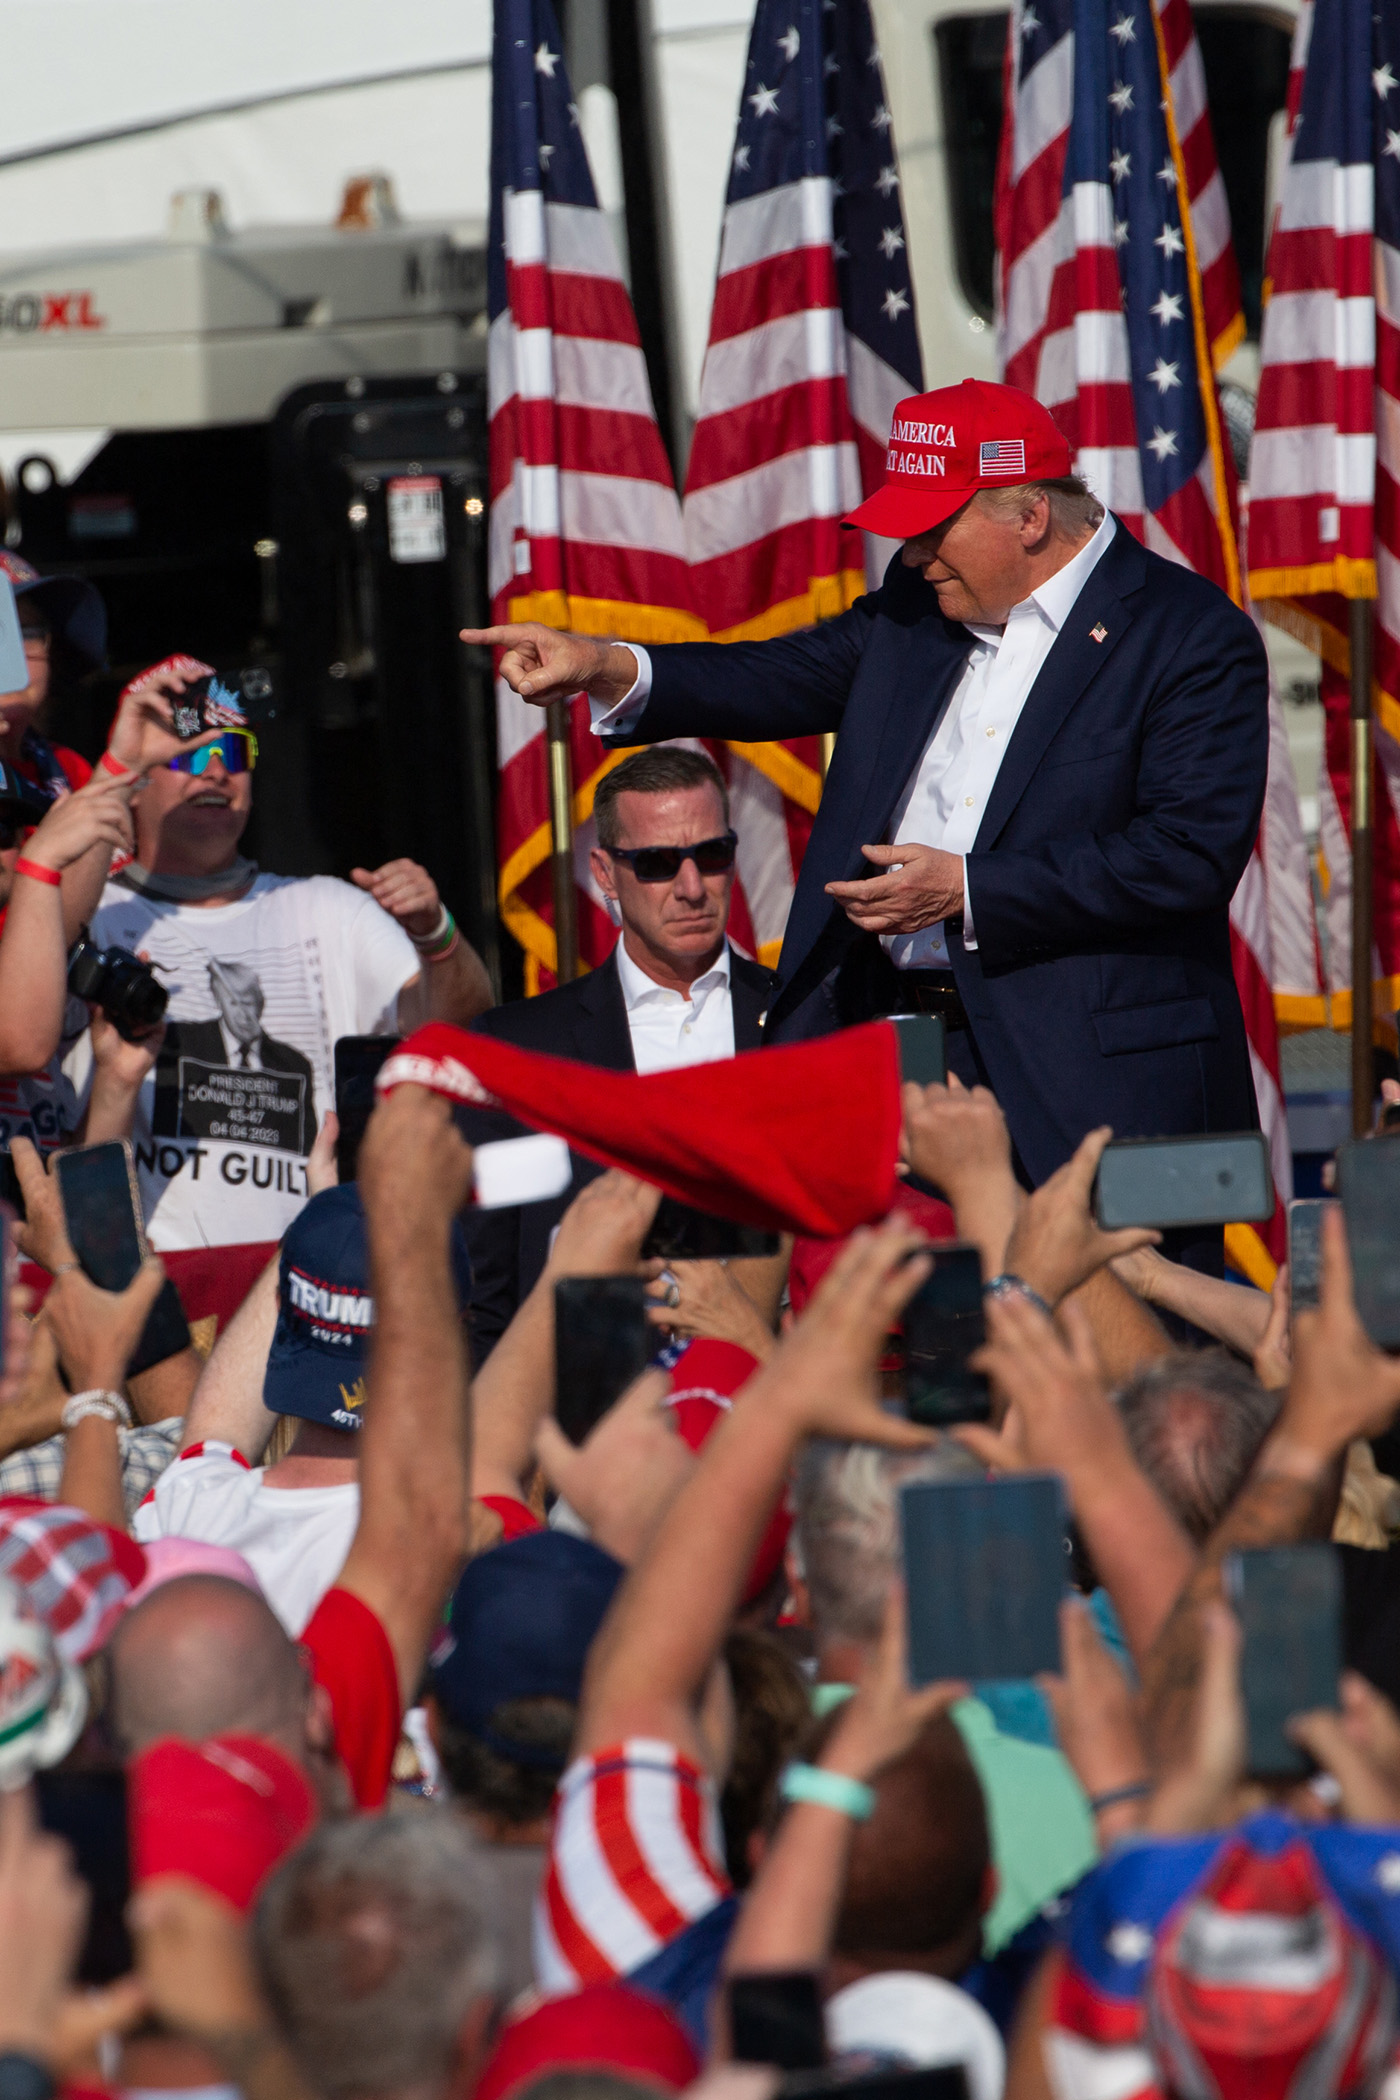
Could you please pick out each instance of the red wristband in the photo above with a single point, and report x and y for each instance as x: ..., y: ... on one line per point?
x: 39, y: 874
x: 114, y: 765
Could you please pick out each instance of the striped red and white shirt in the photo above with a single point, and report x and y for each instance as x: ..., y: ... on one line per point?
x: 636, y: 1858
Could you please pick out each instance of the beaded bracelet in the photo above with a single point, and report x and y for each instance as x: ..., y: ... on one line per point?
x: 110, y: 1407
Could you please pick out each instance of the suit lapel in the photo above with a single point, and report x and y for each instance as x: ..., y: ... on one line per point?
x: 749, y: 1000
x: 601, y: 1034
x: 1098, y: 620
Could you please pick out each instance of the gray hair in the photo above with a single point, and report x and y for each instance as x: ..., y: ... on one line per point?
x: 373, y: 1945
x: 1196, y: 1420
x: 845, y: 1500
x: 1074, y: 508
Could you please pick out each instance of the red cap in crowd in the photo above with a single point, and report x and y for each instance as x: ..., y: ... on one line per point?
x: 946, y: 445
x: 223, y: 1812
x: 604, y: 2027
x: 703, y: 1384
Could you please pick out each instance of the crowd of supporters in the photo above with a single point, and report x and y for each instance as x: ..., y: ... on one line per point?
x: 364, y: 1736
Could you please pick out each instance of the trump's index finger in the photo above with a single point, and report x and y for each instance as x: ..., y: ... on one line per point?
x: 493, y: 637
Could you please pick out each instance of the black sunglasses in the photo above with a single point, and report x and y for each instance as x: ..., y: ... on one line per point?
x: 663, y: 863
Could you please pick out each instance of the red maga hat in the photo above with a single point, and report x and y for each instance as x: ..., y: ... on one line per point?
x: 945, y: 446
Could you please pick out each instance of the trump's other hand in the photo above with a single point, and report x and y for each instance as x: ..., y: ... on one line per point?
x: 921, y: 886
x: 542, y: 664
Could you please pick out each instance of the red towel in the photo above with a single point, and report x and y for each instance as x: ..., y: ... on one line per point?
x: 801, y: 1139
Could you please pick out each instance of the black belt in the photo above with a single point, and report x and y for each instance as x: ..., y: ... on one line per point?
x: 931, y: 992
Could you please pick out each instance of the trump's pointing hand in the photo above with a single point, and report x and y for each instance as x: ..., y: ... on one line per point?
x: 541, y: 664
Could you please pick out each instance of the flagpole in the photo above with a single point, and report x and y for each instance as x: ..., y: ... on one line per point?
x: 1363, y: 1081
x: 561, y: 831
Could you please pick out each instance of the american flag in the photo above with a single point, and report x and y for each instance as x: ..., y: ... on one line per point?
x: 1324, y: 510
x: 1117, y: 292
x: 585, y: 528
x: 812, y: 343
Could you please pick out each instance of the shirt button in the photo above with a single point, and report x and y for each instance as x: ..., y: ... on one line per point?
x: 967, y: 801
x: 686, y: 1029
x: 991, y: 732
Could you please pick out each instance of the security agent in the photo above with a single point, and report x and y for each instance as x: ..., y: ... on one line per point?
x: 1047, y: 782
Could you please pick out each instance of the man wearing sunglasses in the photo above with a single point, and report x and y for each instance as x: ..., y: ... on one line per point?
x: 264, y: 973
x: 673, y: 992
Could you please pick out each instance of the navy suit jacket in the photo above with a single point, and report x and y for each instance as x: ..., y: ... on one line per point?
x: 585, y: 1020
x: 1100, y: 989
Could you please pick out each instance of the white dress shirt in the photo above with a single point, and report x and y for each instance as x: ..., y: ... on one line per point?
x: 668, y: 1029
x: 947, y: 793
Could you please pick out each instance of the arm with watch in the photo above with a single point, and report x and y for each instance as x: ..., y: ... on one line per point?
x: 96, y: 1333
x: 451, y: 984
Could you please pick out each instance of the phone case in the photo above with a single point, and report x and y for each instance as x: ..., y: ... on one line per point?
x: 1219, y: 1178
x: 1368, y: 1182
x: 984, y: 1570
x: 138, y: 1215
x: 1288, y: 1600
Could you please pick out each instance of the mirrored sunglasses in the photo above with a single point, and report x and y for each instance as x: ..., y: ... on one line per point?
x: 663, y: 863
x: 237, y: 750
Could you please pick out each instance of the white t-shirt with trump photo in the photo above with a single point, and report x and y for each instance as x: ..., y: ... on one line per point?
x: 259, y: 992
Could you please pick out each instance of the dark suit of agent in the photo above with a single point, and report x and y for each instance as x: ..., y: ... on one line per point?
x: 1079, y: 909
x: 673, y: 992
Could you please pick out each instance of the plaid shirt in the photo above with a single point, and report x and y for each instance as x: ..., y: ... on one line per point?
x: 146, y: 1452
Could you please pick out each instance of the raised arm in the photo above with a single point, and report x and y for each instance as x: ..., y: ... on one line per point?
x: 601, y: 1234
x: 794, y: 685
x: 415, y: 1445
x: 1060, y: 1418
x: 227, y: 1406
x: 650, y: 1663
x: 40, y: 922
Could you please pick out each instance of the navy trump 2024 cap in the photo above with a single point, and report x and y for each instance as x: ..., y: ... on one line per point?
x: 520, y: 1625
x: 316, y: 1365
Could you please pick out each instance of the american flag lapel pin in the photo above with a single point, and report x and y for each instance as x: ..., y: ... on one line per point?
x: 1098, y: 633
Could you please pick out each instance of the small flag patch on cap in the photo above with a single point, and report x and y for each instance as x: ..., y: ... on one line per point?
x: 1003, y: 456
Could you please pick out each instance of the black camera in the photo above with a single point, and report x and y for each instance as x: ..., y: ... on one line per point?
x: 120, y: 983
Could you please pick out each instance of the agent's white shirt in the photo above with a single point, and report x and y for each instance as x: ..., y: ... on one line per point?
x: 669, y: 1030
x: 947, y: 793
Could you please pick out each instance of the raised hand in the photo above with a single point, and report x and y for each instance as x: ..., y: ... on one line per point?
x: 97, y: 814
x: 824, y: 1371
x: 1056, y: 1244
x: 1342, y: 1385
x: 602, y: 1230
x: 541, y: 664
x: 692, y: 1298
x: 406, y: 891
x: 143, y: 730
x: 623, y: 1479
x: 415, y: 1167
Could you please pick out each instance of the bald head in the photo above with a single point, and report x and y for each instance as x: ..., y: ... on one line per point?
x: 203, y: 1656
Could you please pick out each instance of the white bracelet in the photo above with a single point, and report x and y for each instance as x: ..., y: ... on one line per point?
x: 109, y: 1406
x: 424, y: 942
